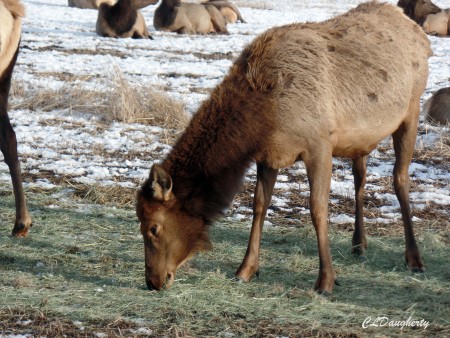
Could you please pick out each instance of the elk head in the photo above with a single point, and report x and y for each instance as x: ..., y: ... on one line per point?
x: 171, y: 234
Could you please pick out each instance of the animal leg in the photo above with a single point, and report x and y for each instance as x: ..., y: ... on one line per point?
x: 8, y: 145
x: 404, y: 140
x: 318, y: 168
x: 359, y: 243
x: 217, y: 19
x: 265, y: 182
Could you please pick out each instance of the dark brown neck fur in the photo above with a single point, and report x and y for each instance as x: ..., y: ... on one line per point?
x: 121, y: 17
x: 209, y: 160
x: 167, y: 12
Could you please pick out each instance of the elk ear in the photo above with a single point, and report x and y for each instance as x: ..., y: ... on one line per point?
x: 161, y: 183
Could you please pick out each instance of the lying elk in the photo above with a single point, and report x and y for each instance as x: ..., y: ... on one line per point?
x: 437, y: 108
x: 434, y: 20
x: 189, y: 18
x: 298, y: 92
x: 11, y: 12
x: 123, y: 20
x: 89, y: 4
x: 227, y: 9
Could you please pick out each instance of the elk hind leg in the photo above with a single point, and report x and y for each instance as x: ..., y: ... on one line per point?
x: 359, y: 243
x: 219, y: 22
x: 8, y: 145
x: 404, y: 139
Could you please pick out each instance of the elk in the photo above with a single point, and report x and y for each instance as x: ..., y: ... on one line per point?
x: 11, y: 13
x: 189, y: 18
x: 434, y: 20
x: 306, y: 91
x: 89, y: 4
x: 228, y: 10
x: 437, y: 108
x: 123, y: 20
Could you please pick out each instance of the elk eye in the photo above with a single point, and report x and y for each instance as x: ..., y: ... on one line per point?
x: 154, y: 229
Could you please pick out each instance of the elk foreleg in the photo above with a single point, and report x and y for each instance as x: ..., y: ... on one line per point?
x: 359, y: 243
x: 265, y: 182
x: 318, y: 168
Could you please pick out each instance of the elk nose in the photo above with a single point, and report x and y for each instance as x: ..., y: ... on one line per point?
x: 150, y: 285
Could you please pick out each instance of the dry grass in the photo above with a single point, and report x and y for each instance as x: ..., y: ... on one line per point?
x: 82, y: 267
x: 124, y: 102
x: 437, y: 152
x: 105, y: 195
x: 134, y: 103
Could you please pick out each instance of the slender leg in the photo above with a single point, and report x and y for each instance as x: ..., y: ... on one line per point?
x: 359, y: 243
x: 8, y: 146
x: 404, y: 141
x: 319, y: 167
x: 265, y: 182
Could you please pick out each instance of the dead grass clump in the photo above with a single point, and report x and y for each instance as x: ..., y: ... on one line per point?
x: 70, y: 96
x: 110, y: 195
x: 135, y: 103
x: 436, y: 152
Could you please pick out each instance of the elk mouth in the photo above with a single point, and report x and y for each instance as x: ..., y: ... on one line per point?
x: 170, y: 278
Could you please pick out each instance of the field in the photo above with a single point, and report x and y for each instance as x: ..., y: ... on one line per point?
x: 92, y: 114
x: 81, y: 273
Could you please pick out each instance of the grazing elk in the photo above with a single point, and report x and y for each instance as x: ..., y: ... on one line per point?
x: 437, y: 108
x: 11, y: 12
x: 89, y: 4
x: 123, y: 20
x: 189, y: 18
x: 434, y: 20
x: 298, y: 92
x: 228, y: 10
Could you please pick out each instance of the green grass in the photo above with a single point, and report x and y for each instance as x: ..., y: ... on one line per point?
x: 81, y: 271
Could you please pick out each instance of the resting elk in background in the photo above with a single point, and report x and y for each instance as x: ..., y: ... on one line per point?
x: 297, y: 92
x: 123, y: 20
x: 227, y: 9
x: 437, y: 108
x: 189, y: 18
x: 434, y: 20
x: 89, y: 4
x: 11, y: 12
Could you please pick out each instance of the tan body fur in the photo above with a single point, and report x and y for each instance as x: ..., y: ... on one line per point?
x: 11, y: 12
x: 297, y: 92
x: 123, y: 19
x: 437, y: 108
x: 189, y: 18
x: 89, y: 4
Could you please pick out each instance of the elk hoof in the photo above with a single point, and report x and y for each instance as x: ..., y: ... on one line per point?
x: 20, y: 230
x: 417, y: 270
x: 324, y: 294
x: 237, y: 279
